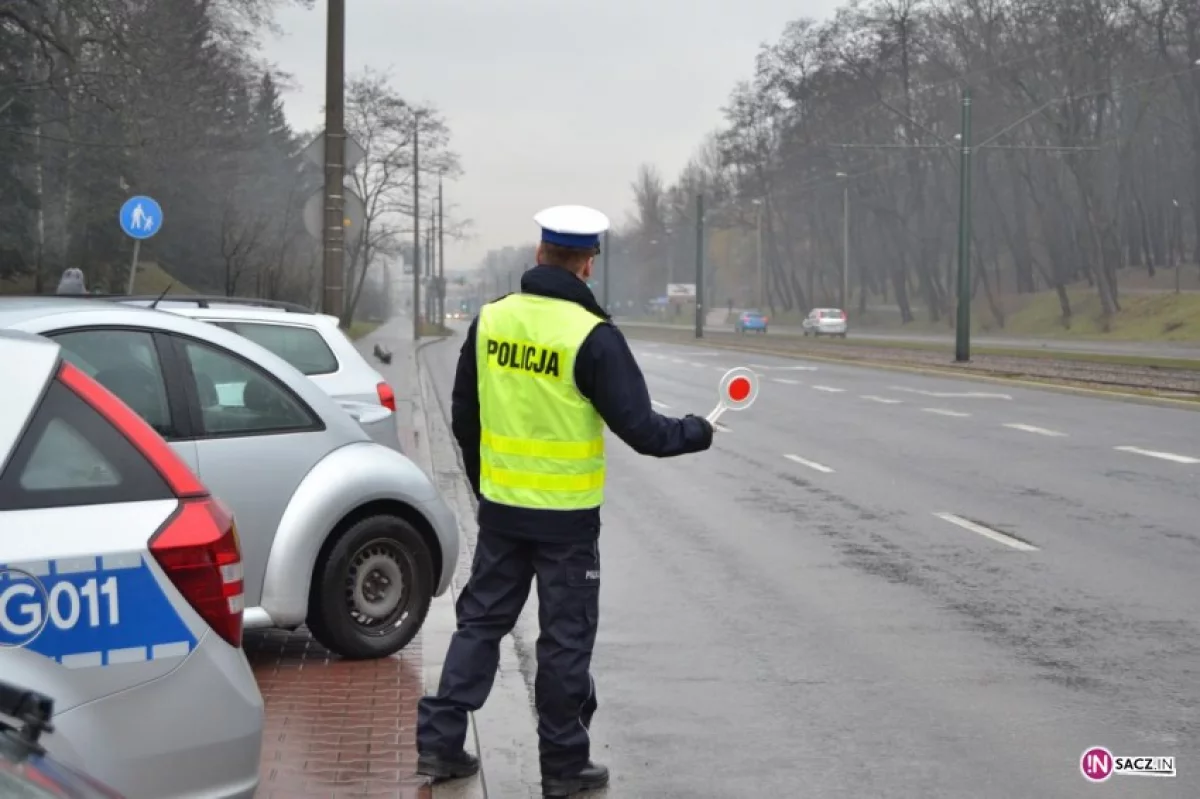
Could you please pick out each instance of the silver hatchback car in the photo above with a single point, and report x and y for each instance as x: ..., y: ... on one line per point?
x: 338, y: 532
x: 120, y: 590
x: 311, y: 342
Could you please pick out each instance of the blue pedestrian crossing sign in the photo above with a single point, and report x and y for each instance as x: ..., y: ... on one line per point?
x: 140, y: 217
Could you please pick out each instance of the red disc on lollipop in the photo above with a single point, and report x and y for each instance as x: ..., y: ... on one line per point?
x: 739, y: 389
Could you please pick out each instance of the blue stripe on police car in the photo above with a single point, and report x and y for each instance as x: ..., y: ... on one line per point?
x: 89, y: 611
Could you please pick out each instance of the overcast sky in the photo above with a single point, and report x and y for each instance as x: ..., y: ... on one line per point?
x: 550, y: 101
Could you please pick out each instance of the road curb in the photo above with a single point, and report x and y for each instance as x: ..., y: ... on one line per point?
x: 1098, y: 393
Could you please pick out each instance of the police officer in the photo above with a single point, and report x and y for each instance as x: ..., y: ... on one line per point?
x: 539, y: 376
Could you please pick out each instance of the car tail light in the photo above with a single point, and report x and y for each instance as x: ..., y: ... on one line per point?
x: 172, y: 468
x: 843, y: 313
x: 387, y: 397
x: 199, y: 551
x: 766, y: 319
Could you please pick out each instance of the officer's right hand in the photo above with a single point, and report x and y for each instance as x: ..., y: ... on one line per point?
x: 700, y: 431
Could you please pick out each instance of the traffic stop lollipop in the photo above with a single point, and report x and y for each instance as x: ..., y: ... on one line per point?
x: 737, y: 392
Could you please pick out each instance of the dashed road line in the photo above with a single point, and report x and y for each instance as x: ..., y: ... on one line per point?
x: 1165, y: 456
x: 987, y: 532
x: 820, y: 467
x: 1041, y: 431
x: 830, y: 389
x: 785, y: 381
x: 658, y: 404
x: 946, y: 412
x: 697, y: 365
x: 677, y: 360
x: 952, y: 394
x: 883, y: 400
x: 759, y: 366
x: 796, y: 368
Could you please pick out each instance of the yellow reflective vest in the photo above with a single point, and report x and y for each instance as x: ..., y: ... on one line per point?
x: 542, y: 443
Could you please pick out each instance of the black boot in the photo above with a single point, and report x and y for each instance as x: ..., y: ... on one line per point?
x: 447, y: 767
x: 593, y: 777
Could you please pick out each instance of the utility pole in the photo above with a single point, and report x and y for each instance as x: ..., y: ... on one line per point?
x: 962, y: 327
x: 699, y: 266
x: 416, y: 303
x: 334, y: 234
x: 430, y: 288
x: 441, y: 270
x: 762, y: 283
x: 845, y: 245
x: 607, y: 296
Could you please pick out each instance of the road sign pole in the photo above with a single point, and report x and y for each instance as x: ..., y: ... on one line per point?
x: 133, y: 265
x: 962, y: 327
x: 334, y: 231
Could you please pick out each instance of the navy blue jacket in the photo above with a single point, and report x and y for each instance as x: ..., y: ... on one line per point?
x: 607, y: 374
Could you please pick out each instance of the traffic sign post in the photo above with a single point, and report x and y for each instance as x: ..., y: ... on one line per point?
x: 737, y: 392
x: 140, y: 218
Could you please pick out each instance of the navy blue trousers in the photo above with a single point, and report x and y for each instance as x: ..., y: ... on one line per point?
x: 568, y: 584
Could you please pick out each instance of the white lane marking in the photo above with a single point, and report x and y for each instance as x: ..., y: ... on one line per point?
x: 987, y: 532
x: 677, y: 360
x: 830, y: 389
x: 658, y: 404
x: 722, y: 427
x: 697, y: 365
x: 884, y: 400
x: 1041, y: 431
x: 952, y: 394
x: 785, y: 381
x: 797, y: 368
x: 945, y: 412
x: 721, y: 369
x: 810, y: 464
x: 1166, y: 456
x: 759, y: 366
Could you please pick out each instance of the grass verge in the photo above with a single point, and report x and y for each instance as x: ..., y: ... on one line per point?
x: 359, y: 329
x: 829, y: 347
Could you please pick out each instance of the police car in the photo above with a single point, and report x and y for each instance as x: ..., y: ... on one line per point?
x: 120, y: 589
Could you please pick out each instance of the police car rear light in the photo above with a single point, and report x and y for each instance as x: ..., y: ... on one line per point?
x: 199, y: 551
x: 172, y: 468
x: 387, y: 397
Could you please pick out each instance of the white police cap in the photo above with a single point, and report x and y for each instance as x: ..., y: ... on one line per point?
x: 572, y: 226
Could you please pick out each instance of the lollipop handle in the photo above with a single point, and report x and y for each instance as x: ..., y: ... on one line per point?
x: 716, y: 413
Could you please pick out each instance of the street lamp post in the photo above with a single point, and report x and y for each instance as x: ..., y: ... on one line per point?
x: 845, y: 239
x: 962, y: 326
x: 699, y: 266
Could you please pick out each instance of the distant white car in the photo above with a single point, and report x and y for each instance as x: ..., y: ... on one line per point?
x: 311, y: 342
x: 826, y: 322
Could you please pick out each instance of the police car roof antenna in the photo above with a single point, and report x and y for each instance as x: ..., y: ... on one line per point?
x: 160, y: 296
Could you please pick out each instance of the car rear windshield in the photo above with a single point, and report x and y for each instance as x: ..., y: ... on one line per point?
x: 302, y: 347
x: 831, y: 314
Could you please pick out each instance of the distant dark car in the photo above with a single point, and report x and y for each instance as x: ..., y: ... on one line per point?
x: 748, y: 321
x: 26, y: 771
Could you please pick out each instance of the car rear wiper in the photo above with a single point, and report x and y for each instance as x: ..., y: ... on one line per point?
x: 32, y: 709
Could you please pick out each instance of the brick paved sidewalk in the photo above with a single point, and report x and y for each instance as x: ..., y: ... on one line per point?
x: 336, y: 728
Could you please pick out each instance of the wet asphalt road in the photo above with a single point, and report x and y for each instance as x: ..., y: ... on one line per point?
x: 807, y: 626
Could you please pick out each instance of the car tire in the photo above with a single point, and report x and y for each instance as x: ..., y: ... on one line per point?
x: 398, y: 560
